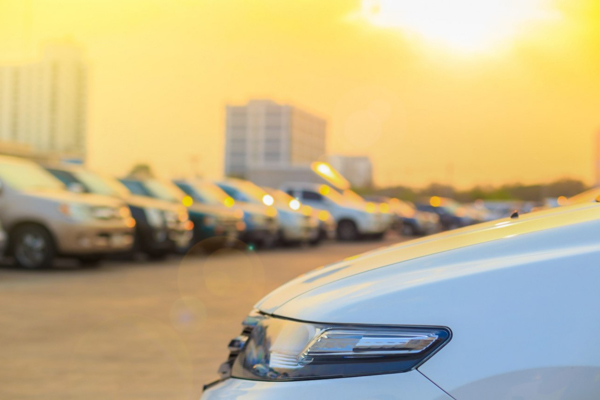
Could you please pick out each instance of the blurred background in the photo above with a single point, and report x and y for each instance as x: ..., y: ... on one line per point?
x: 199, y: 153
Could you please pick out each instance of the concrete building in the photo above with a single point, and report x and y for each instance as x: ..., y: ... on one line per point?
x: 358, y: 170
x: 43, y: 103
x: 265, y: 135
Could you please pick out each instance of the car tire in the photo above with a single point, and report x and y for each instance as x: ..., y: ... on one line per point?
x: 33, y: 247
x: 319, y: 239
x: 347, y: 231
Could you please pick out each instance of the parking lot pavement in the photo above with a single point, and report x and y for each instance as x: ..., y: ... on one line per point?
x: 137, y: 330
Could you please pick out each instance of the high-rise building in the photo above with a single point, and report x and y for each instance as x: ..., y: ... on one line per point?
x: 43, y: 103
x: 358, y: 170
x: 264, y: 134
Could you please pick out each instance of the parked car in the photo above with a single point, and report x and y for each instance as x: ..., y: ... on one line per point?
x: 3, y: 238
x: 589, y: 196
x: 353, y: 220
x: 161, y: 227
x: 372, y: 205
x: 327, y: 225
x: 295, y: 226
x: 44, y: 220
x: 452, y: 215
x: 208, y: 221
x: 413, y: 221
x: 260, y: 215
x: 472, y: 314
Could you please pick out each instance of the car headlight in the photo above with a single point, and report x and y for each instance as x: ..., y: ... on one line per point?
x: 154, y: 217
x: 124, y: 212
x: 76, y: 211
x: 284, y: 350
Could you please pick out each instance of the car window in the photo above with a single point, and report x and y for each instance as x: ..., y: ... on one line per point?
x: 136, y: 188
x: 28, y: 176
x: 94, y: 183
x: 311, y: 196
x: 211, y: 193
x: 164, y: 190
x: 236, y: 194
x: 64, y: 176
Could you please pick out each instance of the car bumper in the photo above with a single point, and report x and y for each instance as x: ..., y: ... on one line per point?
x: 94, y: 237
x: 407, y: 386
x: 294, y: 232
x: 374, y: 226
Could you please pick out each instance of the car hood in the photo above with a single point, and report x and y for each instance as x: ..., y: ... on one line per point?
x: 149, y: 202
x: 252, y: 208
x: 417, y: 282
x: 216, y: 210
x: 64, y: 196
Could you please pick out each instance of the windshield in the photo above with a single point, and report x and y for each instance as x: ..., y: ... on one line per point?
x: 99, y: 184
x: 164, y: 190
x: 28, y: 176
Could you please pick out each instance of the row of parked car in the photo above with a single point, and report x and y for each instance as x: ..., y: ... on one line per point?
x: 55, y: 211
x: 67, y: 210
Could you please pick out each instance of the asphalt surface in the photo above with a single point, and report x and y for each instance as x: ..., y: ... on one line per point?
x: 137, y: 330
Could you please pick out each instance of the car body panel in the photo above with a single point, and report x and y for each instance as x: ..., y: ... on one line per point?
x: 149, y: 238
x: 408, y: 386
x: 71, y: 237
x: 516, y: 293
x: 366, y: 223
x: 428, y: 246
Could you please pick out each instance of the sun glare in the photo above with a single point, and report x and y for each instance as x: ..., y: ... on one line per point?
x: 470, y: 25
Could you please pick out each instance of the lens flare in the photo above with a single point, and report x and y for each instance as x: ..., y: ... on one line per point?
x: 469, y: 25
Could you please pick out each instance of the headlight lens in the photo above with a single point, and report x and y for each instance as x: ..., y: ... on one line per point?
x: 154, y: 217
x: 78, y: 212
x: 284, y: 350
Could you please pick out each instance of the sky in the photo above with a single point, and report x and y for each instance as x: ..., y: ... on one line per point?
x: 479, y: 92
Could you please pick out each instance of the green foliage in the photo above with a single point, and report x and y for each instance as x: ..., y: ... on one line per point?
x: 537, y: 193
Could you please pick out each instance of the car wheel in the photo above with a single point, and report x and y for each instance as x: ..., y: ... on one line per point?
x: 347, y: 231
x: 319, y: 239
x: 33, y: 247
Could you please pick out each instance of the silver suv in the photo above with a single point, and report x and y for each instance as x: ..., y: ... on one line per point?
x: 43, y: 220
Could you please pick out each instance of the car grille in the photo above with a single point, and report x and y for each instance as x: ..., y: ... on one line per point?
x: 228, y: 223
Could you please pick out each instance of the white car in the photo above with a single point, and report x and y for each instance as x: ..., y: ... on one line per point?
x: 501, y: 310
x: 353, y: 219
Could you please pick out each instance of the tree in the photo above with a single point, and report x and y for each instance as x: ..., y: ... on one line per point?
x: 142, y: 171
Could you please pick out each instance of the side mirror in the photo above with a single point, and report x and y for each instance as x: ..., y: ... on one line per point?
x: 75, y: 187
